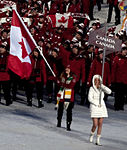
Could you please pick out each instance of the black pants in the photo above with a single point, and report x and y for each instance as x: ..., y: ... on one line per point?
x: 117, y: 13
x: 98, y: 4
x: 120, y: 91
x: 29, y: 90
x: 52, y: 89
x: 5, y: 85
x: 91, y: 9
x: 84, y: 94
x: 15, y: 79
x: 69, y: 112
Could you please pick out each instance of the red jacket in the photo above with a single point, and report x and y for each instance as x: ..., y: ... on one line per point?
x: 4, y: 75
x: 85, y: 5
x: 54, y: 8
x: 96, y: 68
x: 119, y: 70
x: 38, y: 70
x: 64, y: 83
x: 56, y: 66
x: 75, y: 8
x: 77, y: 65
x: 68, y: 34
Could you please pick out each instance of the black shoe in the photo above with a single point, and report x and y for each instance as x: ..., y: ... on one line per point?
x: 8, y: 103
x: 117, y: 23
x: 68, y: 126
x: 40, y: 105
x: 68, y: 129
x: 59, y: 124
x: 29, y: 102
x: 49, y: 100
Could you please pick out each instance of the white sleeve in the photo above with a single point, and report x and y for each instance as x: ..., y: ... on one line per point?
x: 105, y: 89
x: 91, y: 96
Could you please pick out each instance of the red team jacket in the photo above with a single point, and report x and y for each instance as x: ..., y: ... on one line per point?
x: 38, y: 70
x: 4, y: 75
x: 119, y: 70
x: 96, y: 68
x: 77, y: 65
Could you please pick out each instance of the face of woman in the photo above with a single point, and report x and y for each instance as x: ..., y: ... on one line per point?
x: 124, y: 52
x: 36, y: 54
x: 97, y: 82
x: 67, y: 71
x: 75, y: 51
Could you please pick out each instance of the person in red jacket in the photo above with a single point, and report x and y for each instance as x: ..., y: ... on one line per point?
x: 37, y: 78
x: 77, y: 65
x: 56, y: 64
x: 4, y: 75
x: 66, y: 82
x: 119, y: 78
x: 96, y: 68
x: 53, y: 7
x: 64, y: 6
x: 85, y: 6
x: 49, y: 6
x: 113, y: 3
x: 75, y: 6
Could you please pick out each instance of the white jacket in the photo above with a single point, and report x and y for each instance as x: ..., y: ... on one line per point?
x: 94, y: 99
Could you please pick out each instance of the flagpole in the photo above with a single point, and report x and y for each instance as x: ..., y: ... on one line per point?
x: 103, y: 63
x: 35, y: 43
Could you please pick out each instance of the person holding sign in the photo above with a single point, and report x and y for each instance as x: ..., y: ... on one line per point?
x: 97, y: 106
x: 66, y: 96
x: 96, y: 68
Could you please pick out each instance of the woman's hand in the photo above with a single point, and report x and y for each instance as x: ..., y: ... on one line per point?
x: 99, y: 105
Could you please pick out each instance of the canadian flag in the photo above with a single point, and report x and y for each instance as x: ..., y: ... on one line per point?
x: 61, y: 19
x: 21, y: 45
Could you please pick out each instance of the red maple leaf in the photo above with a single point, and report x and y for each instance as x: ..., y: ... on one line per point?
x: 24, y: 52
x: 62, y: 20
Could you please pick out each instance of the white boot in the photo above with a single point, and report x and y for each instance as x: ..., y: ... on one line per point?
x: 98, y: 140
x: 91, y: 137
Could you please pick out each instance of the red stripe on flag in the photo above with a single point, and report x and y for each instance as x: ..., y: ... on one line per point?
x: 23, y: 69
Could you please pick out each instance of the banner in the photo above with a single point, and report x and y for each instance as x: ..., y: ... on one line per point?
x: 98, y: 38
